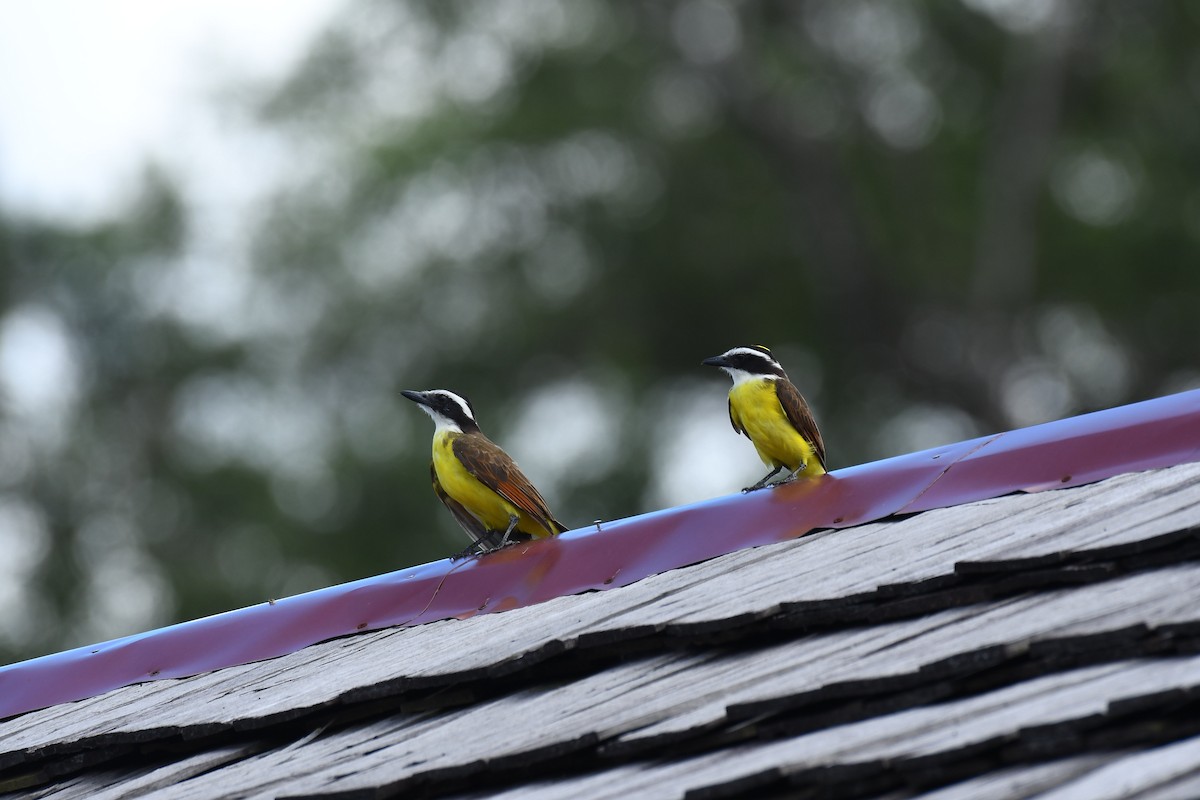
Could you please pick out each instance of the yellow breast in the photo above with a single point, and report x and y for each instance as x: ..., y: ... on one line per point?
x: 755, y: 408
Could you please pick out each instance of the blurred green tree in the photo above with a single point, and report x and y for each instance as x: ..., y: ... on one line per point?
x: 946, y: 218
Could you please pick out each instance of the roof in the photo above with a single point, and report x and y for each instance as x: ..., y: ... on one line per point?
x: 997, y: 647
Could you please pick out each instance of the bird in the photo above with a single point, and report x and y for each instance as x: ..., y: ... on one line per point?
x: 766, y: 407
x: 482, y: 486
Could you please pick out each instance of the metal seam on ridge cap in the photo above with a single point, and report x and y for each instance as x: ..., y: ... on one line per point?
x: 949, y: 467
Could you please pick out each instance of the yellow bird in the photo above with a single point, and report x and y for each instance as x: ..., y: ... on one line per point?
x: 482, y: 486
x: 771, y: 412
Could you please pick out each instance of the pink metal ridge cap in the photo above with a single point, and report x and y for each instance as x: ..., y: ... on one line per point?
x: 1154, y: 433
x: 1074, y: 451
x: 254, y: 633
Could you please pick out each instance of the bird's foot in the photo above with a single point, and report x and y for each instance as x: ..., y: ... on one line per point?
x: 470, y: 551
x: 756, y: 486
x: 485, y: 544
x: 766, y: 482
x: 793, y: 475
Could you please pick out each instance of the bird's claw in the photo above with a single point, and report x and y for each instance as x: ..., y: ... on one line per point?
x: 481, y: 546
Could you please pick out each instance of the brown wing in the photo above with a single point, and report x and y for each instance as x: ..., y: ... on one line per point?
x: 800, y: 415
x: 496, y: 470
x: 474, y: 528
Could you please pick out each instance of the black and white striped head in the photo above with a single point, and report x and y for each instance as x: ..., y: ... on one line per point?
x: 449, y: 410
x: 744, y: 363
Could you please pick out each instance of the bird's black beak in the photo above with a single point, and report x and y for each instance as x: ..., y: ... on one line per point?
x: 416, y: 397
x: 715, y: 361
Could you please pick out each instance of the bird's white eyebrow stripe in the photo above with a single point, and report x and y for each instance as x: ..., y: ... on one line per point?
x: 747, y: 351
x: 462, y: 403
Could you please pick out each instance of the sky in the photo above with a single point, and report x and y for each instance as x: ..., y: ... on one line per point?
x: 90, y: 88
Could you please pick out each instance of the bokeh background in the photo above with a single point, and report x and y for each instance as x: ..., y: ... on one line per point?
x: 230, y: 235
